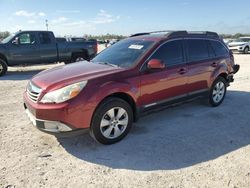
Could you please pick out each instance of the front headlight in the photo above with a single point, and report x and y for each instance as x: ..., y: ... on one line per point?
x: 64, y: 94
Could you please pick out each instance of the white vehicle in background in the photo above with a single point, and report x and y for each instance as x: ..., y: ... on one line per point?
x: 241, y: 45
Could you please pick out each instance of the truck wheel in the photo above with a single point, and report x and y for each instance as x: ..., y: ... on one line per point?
x: 217, y: 92
x: 3, y: 67
x: 246, y: 50
x: 78, y: 57
x: 111, y: 121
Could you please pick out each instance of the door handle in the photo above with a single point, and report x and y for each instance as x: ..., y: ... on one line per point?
x: 214, y: 64
x: 182, y: 71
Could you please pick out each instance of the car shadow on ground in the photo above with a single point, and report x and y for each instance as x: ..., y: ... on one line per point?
x: 174, y: 138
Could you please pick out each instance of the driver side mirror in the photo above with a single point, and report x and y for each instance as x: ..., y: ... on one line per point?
x: 155, y: 64
x: 15, y: 41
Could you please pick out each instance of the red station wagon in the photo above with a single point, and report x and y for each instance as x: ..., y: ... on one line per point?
x: 130, y: 78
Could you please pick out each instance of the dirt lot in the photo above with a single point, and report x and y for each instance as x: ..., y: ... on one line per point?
x: 191, y: 145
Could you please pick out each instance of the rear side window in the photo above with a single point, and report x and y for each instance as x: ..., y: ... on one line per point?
x: 170, y: 53
x: 219, y: 49
x: 45, y: 38
x: 197, y: 49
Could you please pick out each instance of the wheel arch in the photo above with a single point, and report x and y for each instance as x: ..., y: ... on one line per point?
x: 126, y: 97
x: 3, y: 57
x: 83, y: 52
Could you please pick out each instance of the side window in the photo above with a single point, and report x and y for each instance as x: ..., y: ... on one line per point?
x: 26, y: 38
x: 219, y: 49
x: 170, y: 53
x: 197, y: 49
x: 45, y: 38
x: 210, y: 50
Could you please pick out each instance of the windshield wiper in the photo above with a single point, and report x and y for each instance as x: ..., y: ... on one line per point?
x: 106, y: 63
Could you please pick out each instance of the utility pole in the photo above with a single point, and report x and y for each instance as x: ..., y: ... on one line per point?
x: 47, y: 24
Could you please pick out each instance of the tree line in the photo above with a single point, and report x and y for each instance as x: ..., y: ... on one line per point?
x: 108, y: 36
x: 4, y: 34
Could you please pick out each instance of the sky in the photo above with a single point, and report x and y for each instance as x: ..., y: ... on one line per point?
x: 79, y: 17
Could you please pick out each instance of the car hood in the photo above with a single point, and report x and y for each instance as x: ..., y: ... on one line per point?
x: 237, y: 43
x: 67, y: 74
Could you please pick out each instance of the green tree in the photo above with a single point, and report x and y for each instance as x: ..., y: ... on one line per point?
x: 4, y: 34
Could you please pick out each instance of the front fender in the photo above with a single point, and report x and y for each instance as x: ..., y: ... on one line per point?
x: 111, y: 88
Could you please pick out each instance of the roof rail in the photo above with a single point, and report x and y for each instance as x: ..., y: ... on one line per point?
x: 182, y: 33
x: 152, y: 32
x: 208, y: 33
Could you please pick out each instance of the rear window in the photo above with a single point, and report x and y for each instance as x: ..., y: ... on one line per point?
x: 45, y: 38
x: 219, y: 49
x: 197, y: 49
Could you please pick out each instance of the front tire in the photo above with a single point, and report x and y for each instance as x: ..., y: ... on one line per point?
x: 111, y: 121
x: 246, y: 50
x: 3, y: 67
x: 217, y: 92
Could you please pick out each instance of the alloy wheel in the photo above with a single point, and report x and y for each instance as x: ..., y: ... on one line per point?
x: 114, y: 122
x: 218, y: 92
x: 79, y: 59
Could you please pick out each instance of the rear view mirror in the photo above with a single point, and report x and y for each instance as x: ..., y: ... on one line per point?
x: 15, y: 41
x: 155, y: 64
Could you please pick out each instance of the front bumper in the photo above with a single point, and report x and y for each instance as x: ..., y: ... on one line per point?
x: 63, y: 119
x: 237, y: 48
x: 53, y: 127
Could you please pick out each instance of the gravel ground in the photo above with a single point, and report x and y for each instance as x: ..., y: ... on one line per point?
x: 191, y: 145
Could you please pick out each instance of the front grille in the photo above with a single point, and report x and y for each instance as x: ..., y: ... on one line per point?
x: 33, y: 92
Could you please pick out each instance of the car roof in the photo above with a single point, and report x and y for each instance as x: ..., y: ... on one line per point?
x: 31, y: 31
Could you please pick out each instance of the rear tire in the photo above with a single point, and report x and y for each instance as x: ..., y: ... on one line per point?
x: 79, y: 57
x: 112, y: 121
x: 3, y: 67
x: 217, y: 92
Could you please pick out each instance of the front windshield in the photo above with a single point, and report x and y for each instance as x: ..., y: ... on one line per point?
x: 124, y: 53
x: 6, y: 40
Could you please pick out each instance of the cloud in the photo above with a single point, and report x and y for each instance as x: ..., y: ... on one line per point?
x: 59, y: 20
x: 31, y: 21
x: 68, y: 11
x: 103, y: 18
x: 42, y: 14
x: 77, y: 23
x: 24, y: 13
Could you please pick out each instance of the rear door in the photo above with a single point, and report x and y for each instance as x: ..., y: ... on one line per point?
x: 201, y: 64
x: 48, y: 47
x: 26, y: 51
x: 160, y: 86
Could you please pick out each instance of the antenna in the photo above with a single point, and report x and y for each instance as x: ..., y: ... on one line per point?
x: 47, y: 24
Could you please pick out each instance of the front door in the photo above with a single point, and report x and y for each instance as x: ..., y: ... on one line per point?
x: 160, y: 86
x: 26, y: 51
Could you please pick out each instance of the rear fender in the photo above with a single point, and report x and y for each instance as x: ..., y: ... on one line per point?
x: 222, y: 69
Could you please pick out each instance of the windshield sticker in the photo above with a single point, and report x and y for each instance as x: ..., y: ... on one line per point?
x: 136, y: 47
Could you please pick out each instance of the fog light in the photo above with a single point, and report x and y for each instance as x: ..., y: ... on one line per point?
x: 63, y: 128
x: 56, y: 126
